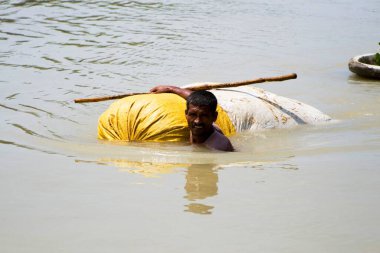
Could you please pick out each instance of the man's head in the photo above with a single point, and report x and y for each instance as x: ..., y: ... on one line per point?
x: 201, y: 113
x: 202, y: 98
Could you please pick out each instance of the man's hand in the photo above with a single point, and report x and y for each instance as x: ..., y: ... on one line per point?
x: 184, y: 93
x: 162, y: 89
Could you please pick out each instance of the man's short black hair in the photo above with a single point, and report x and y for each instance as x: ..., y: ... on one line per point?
x: 202, y: 98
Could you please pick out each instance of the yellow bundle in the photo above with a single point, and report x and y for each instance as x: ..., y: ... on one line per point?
x: 151, y: 117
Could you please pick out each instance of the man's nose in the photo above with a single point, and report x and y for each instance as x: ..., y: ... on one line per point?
x: 197, y: 120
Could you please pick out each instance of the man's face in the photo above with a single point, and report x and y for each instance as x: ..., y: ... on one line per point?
x: 200, y: 119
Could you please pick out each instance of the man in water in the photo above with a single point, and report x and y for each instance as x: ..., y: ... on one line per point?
x: 200, y: 115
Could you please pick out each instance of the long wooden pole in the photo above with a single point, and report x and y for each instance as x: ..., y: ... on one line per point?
x: 206, y: 86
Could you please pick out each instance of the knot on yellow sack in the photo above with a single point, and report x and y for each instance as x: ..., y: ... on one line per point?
x: 151, y: 117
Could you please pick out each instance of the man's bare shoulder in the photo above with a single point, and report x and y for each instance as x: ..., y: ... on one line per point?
x: 218, y: 141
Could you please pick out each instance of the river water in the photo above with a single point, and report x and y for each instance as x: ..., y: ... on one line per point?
x: 305, y: 189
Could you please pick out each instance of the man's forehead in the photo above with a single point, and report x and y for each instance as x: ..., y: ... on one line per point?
x: 193, y: 107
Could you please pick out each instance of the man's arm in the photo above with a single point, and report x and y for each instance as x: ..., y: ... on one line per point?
x: 184, y: 93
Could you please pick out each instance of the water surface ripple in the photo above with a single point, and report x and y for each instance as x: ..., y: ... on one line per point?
x: 55, y: 51
x: 306, y: 189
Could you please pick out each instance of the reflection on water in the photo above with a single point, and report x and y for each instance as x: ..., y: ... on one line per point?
x: 147, y: 169
x: 201, y: 180
x: 201, y: 183
x: 199, y: 208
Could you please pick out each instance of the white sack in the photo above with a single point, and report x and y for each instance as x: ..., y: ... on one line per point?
x: 251, y: 108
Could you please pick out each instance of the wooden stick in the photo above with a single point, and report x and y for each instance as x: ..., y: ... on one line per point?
x: 241, y: 83
x: 98, y: 99
x: 206, y: 86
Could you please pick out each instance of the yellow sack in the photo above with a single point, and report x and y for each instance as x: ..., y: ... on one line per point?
x: 151, y: 117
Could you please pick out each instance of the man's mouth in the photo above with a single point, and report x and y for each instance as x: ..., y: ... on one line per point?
x: 198, y: 126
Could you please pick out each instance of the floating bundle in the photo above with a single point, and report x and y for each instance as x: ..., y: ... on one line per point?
x: 161, y: 117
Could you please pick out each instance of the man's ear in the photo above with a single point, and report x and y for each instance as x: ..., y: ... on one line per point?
x: 215, y: 115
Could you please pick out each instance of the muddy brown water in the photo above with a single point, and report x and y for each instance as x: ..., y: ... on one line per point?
x: 305, y: 189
